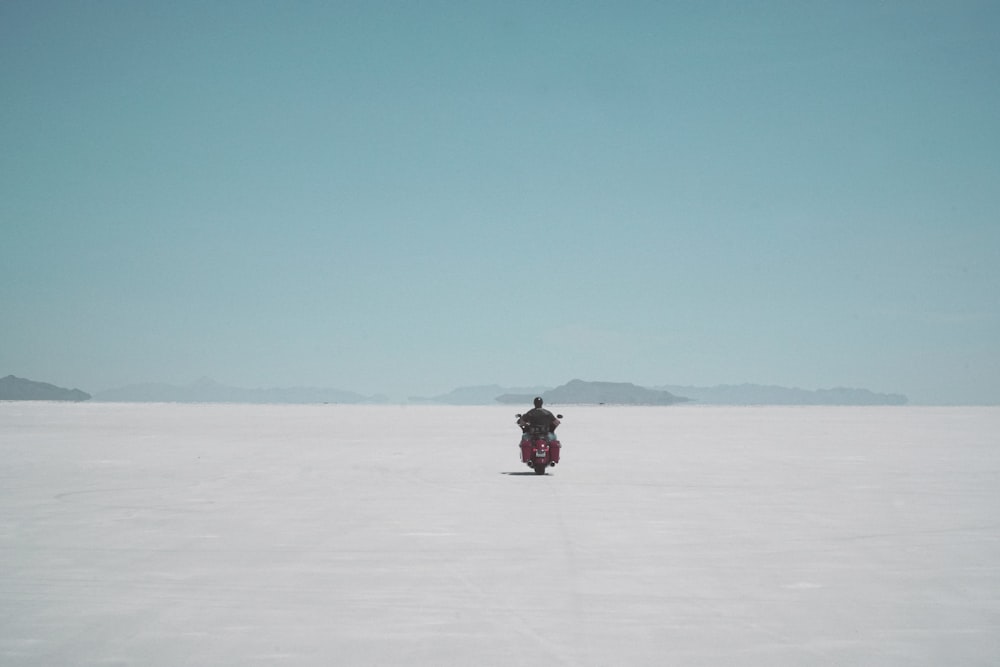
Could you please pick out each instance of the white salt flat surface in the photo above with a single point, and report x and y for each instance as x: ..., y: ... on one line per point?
x: 169, y: 535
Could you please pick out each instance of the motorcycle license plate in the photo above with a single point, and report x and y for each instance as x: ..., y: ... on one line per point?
x: 540, y: 455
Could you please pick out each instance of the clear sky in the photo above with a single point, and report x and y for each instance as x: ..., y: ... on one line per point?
x: 404, y: 198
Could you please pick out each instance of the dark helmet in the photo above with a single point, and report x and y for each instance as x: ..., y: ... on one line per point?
x: 538, y: 401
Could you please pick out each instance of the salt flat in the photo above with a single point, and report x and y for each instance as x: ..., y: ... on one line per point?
x: 188, y: 535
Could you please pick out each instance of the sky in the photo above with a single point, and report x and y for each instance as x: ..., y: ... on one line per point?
x: 404, y: 198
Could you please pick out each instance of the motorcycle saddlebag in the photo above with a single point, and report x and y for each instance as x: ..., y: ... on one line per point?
x: 526, y: 450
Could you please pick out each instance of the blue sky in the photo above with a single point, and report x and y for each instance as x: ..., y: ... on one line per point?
x: 409, y: 197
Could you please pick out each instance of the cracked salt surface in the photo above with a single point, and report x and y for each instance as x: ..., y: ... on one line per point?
x: 388, y: 535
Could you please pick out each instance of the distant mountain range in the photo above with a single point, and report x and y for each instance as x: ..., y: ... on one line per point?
x: 478, y: 395
x: 18, y: 389
x: 207, y: 390
x: 578, y: 392
x: 755, y: 394
x: 581, y: 392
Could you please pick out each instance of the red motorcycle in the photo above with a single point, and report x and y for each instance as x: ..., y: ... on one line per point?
x: 539, y: 446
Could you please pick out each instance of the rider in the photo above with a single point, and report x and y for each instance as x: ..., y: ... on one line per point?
x: 539, y: 416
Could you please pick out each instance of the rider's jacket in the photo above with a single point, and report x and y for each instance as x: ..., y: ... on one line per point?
x: 540, y: 417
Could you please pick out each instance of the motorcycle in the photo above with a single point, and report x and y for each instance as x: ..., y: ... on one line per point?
x: 538, y: 452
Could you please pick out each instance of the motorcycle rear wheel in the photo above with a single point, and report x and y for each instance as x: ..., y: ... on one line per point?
x: 540, y: 469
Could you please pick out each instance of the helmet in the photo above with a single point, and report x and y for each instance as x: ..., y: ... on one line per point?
x: 538, y: 401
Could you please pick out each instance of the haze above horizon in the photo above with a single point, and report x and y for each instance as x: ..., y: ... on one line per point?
x: 406, y: 199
